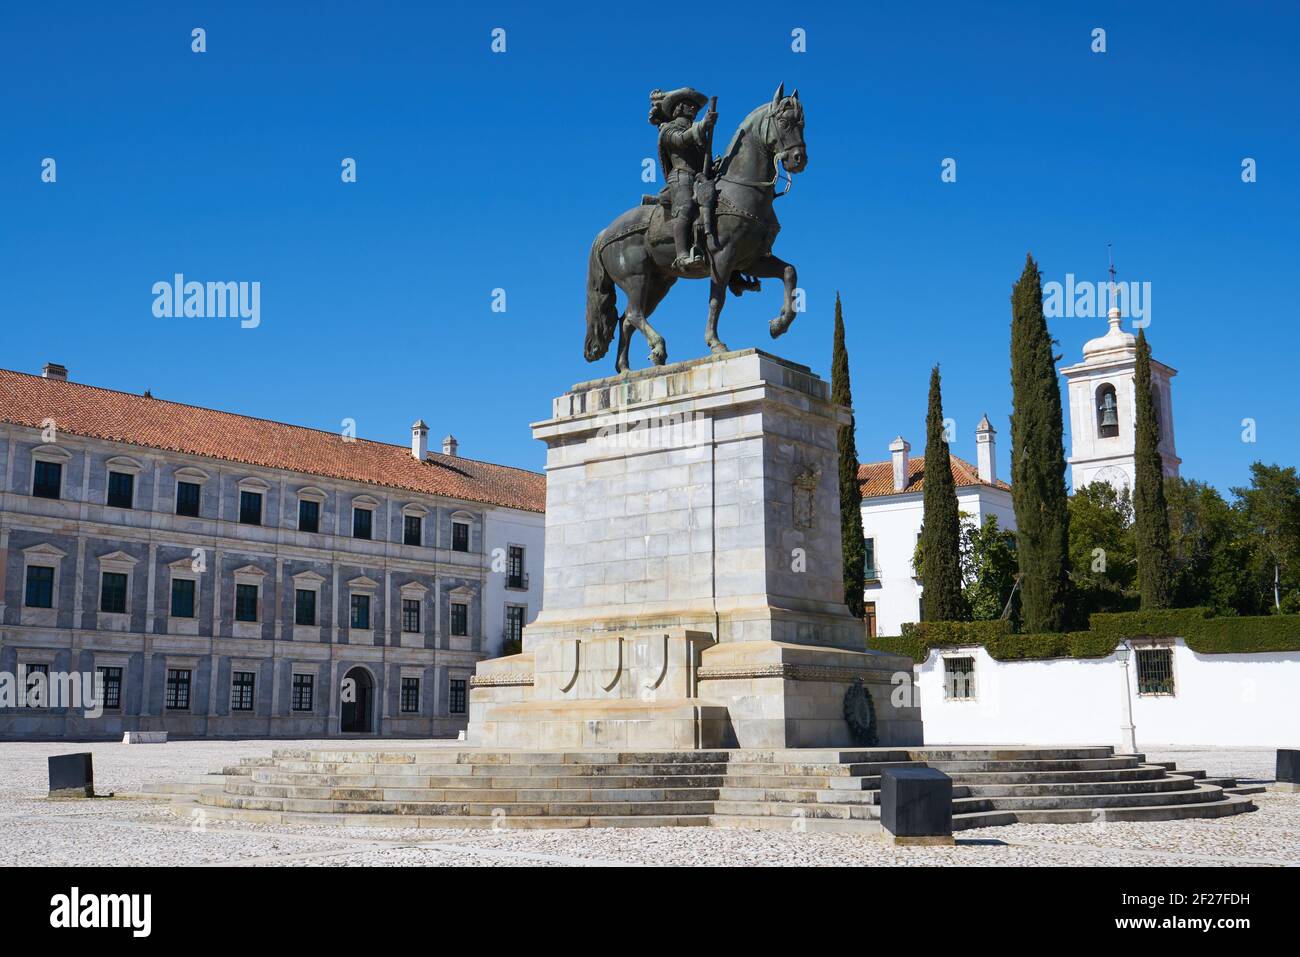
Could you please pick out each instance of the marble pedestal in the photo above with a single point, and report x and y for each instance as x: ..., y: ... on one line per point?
x: 693, y: 593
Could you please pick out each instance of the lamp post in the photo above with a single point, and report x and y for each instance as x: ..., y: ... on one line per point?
x: 1128, y: 740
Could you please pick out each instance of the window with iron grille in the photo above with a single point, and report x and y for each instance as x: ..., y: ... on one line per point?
x: 250, y: 508
x: 47, y: 482
x: 38, y: 686
x: 304, y: 612
x: 515, y: 622
x: 959, y: 678
x: 178, y: 689
x: 412, y: 530
x: 187, y: 498
x: 112, y: 592
x: 241, y: 691
x: 361, y: 612
x: 459, y: 537
x: 182, y: 598
x: 1155, y: 670
x: 40, y: 587
x: 245, y: 603
x: 308, y: 515
x: 459, y: 619
x: 362, y: 522
x: 456, y: 700
x: 110, y: 687
x: 410, y: 614
x: 869, y: 618
x: 870, y: 571
x: 121, y: 489
x: 303, y: 686
x: 515, y: 567
x: 410, y: 695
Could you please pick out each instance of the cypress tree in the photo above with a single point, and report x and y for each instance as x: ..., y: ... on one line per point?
x: 1038, y: 461
x: 854, y: 549
x: 1150, y: 513
x: 942, y: 598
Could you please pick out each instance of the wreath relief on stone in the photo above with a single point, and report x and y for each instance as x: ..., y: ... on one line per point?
x: 860, y: 715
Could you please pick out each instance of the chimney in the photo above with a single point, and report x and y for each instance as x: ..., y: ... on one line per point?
x: 449, y: 445
x: 420, y: 440
x: 55, y: 370
x: 987, y: 458
x: 899, y: 450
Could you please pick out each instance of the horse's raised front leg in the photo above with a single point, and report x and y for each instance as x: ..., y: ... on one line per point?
x: 770, y: 267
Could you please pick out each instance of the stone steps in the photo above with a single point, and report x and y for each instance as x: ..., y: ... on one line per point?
x: 1228, y: 805
x: 1193, y: 795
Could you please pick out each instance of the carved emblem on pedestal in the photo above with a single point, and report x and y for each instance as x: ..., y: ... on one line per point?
x: 805, y: 488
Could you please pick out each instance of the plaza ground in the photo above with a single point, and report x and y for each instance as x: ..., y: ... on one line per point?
x: 149, y: 832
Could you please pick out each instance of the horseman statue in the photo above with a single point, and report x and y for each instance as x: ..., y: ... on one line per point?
x: 714, y: 219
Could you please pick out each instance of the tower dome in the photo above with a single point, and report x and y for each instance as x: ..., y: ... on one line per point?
x: 1116, y: 344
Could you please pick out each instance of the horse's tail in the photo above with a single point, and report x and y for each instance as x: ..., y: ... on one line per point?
x: 602, y: 313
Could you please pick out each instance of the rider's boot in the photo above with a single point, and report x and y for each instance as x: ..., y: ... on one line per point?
x: 687, y: 254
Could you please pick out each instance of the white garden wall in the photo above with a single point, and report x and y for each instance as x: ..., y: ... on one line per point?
x: 1230, y: 700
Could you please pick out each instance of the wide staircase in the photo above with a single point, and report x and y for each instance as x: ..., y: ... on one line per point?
x: 799, y: 789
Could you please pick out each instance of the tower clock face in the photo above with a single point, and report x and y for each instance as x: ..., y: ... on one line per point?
x: 1114, y: 475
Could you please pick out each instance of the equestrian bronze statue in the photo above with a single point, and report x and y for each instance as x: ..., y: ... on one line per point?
x: 714, y: 219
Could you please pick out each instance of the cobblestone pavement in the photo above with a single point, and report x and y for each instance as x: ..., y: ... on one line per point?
x: 120, y: 831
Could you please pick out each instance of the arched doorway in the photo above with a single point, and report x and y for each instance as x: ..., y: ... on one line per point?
x: 356, y: 715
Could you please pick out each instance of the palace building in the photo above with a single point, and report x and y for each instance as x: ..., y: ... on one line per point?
x: 228, y: 576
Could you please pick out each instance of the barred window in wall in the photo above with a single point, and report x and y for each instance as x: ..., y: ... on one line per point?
x: 47, y: 480
x: 412, y: 530
x: 456, y: 700
x: 303, y: 686
x: 178, y: 689
x: 410, y: 614
x: 459, y: 619
x: 1155, y: 670
x: 959, y: 678
x: 241, y: 691
x: 182, y: 598
x: 361, y: 612
x: 515, y: 567
x: 250, y: 508
x: 410, y: 695
x: 308, y: 515
x: 459, y: 537
x: 362, y: 523
x: 112, y: 592
x: 514, y: 622
x: 304, y: 610
x: 187, y: 498
x: 245, y: 603
x: 110, y: 687
x: 38, y: 686
x: 40, y: 587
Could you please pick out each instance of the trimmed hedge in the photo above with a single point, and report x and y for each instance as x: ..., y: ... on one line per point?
x: 1203, y: 634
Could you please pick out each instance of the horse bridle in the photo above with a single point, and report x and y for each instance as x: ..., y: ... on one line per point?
x: 764, y: 129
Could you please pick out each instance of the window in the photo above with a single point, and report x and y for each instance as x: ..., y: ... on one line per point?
x: 112, y: 592
x: 411, y: 614
x: 250, y: 507
x: 410, y: 695
x: 412, y: 530
x: 362, y: 522
x: 361, y: 612
x: 1107, y: 412
x: 188, y: 495
x: 47, y: 480
x: 178, y: 689
x: 308, y: 515
x: 456, y: 704
x: 182, y: 598
x: 37, y: 686
x: 515, y: 577
x: 1155, y: 670
x: 459, y: 537
x: 304, y: 610
x: 241, y: 691
x: 40, y: 587
x: 514, y: 623
x: 869, y: 618
x: 459, y: 619
x: 109, y: 687
x: 245, y: 603
x: 959, y: 678
x: 121, y: 489
x: 303, y: 685
x: 870, y: 572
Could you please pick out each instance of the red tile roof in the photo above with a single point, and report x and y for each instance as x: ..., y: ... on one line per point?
x: 157, y: 424
x: 877, y: 478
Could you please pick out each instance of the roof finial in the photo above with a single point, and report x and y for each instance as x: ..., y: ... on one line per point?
x: 1112, y: 314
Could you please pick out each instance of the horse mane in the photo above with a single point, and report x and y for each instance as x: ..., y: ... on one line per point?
x: 754, y: 116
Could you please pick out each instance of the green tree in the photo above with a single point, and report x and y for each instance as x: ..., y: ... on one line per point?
x: 854, y: 548
x: 1212, y: 549
x: 942, y: 599
x: 1271, y: 511
x: 989, y: 568
x: 1038, y: 461
x: 1101, y: 535
x: 1150, y: 513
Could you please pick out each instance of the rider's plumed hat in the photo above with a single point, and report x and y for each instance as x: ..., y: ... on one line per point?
x: 664, y: 105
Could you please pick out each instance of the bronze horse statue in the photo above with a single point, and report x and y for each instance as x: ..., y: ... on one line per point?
x: 635, y: 252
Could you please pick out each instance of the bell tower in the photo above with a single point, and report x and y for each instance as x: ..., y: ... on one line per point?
x: 1101, y: 395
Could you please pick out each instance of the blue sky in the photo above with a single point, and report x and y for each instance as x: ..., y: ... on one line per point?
x: 479, y: 170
